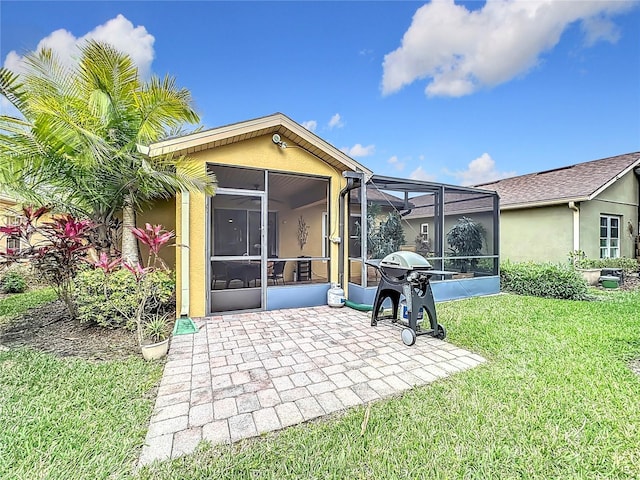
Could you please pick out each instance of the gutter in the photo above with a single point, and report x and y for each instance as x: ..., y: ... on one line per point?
x: 184, y: 246
x: 543, y: 203
x: 576, y: 225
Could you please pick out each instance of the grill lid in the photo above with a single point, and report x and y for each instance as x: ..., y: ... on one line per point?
x: 405, y: 260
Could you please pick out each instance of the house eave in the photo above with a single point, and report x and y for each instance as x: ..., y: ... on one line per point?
x: 615, y: 179
x: 237, y: 132
x: 542, y: 203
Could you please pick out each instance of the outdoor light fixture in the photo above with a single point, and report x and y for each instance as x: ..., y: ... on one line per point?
x: 278, y: 141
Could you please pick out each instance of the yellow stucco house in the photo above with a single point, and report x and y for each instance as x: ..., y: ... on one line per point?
x: 273, y: 235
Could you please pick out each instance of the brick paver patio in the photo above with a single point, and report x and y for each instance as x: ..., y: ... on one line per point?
x: 245, y: 374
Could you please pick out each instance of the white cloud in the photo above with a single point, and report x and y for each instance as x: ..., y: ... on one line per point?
x: 600, y: 28
x: 397, y: 164
x: 336, y: 121
x: 118, y: 31
x: 359, y: 151
x: 481, y: 170
x: 420, y: 174
x: 460, y: 51
x: 310, y: 125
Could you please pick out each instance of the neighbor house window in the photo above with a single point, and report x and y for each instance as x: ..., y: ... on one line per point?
x: 13, y: 243
x: 609, y: 236
x: 424, y: 231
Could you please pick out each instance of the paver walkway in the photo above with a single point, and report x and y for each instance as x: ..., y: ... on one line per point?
x: 245, y: 374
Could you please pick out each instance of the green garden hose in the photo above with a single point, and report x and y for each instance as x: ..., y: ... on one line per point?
x: 358, y: 306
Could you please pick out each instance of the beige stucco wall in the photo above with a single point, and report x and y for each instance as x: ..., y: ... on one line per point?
x: 620, y: 199
x: 259, y: 152
x: 542, y: 234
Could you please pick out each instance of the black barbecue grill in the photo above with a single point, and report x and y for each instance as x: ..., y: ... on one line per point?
x: 407, y: 274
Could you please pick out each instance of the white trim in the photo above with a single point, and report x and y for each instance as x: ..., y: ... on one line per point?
x: 545, y: 203
x: 184, y: 246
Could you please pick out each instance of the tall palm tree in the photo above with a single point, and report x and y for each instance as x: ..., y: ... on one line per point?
x: 77, y: 146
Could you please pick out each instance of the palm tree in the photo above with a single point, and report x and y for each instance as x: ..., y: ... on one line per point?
x: 77, y: 147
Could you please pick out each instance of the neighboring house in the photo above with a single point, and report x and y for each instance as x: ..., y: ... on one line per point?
x: 276, y: 233
x: 9, y: 215
x: 591, y: 206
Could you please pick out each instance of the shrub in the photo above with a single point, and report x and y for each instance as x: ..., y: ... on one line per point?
x: 13, y: 282
x: 629, y: 265
x: 56, y: 249
x: 543, y: 280
x: 111, y: 300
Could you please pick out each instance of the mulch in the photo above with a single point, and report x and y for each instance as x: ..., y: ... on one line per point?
x: 49, y: 328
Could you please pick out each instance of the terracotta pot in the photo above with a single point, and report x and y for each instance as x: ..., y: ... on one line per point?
x: 155, y: 351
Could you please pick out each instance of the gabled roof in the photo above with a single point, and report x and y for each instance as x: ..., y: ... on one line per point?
x: 237, y: 132
x: 577, y: 183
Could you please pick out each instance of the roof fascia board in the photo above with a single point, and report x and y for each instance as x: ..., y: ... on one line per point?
x: 614, y: 179
x: 237, y: 129
x: 546, y: 203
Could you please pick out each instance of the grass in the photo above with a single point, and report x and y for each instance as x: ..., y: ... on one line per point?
x: 64, y: 419
x: 18, y: 303
x: 69, y: 419
x: 556, y: 400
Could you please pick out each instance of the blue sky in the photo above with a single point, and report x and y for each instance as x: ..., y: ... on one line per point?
x: 458, y: 93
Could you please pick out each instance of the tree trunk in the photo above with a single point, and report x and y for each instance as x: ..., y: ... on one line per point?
x: 130, y: 251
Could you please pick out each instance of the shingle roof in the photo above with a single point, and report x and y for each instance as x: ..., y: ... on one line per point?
x: 579, y: 182
x: 455, y: 203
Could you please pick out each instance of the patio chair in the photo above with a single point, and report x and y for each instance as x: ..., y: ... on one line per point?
x: 277, y: 273
x: 219, y: 274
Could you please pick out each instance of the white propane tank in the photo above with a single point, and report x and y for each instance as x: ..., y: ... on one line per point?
x: 335, y: 296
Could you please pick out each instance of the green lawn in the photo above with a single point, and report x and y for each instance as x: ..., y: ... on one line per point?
x: 16, y: 304
x: 555, y: 400
x: 69, y: 419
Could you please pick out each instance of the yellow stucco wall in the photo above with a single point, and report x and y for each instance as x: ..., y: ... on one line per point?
x: 261, y: 153
x: 162, y: 212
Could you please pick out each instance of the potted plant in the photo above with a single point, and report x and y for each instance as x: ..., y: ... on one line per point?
x: 151, y: 325
x: 155, y: 337
x: 465, y: 239
x: 585, y: 267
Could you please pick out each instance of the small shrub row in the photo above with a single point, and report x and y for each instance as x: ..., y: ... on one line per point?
x: 629, y: 265
x: 13, y: 281
x: 543, y: 280
x: 111, y: 300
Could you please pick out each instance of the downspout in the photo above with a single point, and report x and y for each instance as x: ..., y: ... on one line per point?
x: 637, y: 226
x: 351, y: 184
x: 184, y: 246
x: 576, y: 225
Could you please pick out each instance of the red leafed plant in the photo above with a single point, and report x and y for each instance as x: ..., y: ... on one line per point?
x: 155, y: 238
x: 56, y: 248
